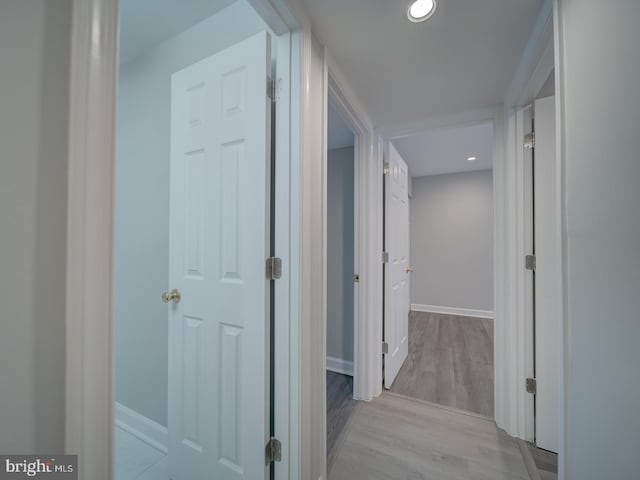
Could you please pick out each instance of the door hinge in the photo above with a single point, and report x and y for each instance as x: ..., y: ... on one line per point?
x: 385, y: 348
x: 273, y: 268
x: 530, y: 262
x: 530, y: 140
x: 274, y: 89
x: 273, y: 451
x: 356, y: 278
x: 532, y: 385
x: 385, y: 168
x: 385, y: 257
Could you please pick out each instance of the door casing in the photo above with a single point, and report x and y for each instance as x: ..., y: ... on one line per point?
x: 341, y: 104
x: 547, y: 277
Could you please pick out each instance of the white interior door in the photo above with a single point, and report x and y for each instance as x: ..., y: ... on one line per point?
x: 218, y: 415
x: 547, y: 287
x: 396, y: 322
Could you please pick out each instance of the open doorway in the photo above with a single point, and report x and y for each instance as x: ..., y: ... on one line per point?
x: 439, y: 274
x: 341, y: 276
x: 194, y: 222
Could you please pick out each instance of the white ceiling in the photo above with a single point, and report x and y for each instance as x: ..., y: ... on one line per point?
x: 339, y: 135
x: 461, y: 59
x: 145, y: 23
x: 446, y: 150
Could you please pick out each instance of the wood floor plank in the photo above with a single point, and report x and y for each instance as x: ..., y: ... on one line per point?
x: 450, y: 362
x: 395, y: 438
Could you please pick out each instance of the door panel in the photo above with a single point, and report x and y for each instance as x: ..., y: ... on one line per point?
x: 547, y: 285
x: 396, y: 324
x: 219, y: 238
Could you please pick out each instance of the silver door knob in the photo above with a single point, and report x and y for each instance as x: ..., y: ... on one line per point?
x: 172, y: 296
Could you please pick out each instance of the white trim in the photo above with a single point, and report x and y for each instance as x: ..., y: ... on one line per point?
x: 523, y: 281
x: 513, y: 335
x: 313, y: 266
x: 320, y: 74
x: 143, y: 428
x: 89, y: 409
x: 343, y: 101
x: 565, y: 417
x: 89, y: 420
x: 463, y: 312
x: 286, y: 244
x: 338, y: 365
x: 500, y: 253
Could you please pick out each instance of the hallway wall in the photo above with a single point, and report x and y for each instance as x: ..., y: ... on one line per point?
x: 451, y: 240
x: 34, y: 114
x: 601, y: 227
x: 340, y: 249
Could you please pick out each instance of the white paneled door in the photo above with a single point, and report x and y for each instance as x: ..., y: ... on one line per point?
x: 218, y: 415
x: 547, y: 275
x: 396, y: 321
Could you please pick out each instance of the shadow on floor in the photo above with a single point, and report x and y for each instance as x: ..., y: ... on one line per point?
x: 340, y: 407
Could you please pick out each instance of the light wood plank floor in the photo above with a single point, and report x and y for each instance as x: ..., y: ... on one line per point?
x: 397, y: 438
x: 450, y: 362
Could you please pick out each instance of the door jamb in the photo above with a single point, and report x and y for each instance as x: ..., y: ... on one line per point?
x: 525, y: 280
x: 517, y: 414
x: 89, y: 404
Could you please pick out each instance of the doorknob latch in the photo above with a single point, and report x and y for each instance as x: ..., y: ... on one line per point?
x: 409, y: 269
x: 172, y: 296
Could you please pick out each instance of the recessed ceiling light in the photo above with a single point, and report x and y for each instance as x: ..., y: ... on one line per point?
x: 471, y: 159
x: 421, y: 10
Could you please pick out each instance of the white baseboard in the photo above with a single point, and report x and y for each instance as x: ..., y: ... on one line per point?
x: 339, y: 365
x: 143, y: 428
x: 465, y: 312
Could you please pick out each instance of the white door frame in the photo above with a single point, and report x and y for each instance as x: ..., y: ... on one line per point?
x: 514, y: 351
x: 320, y: 75
x: 89, y: 414
x: 362, y: 130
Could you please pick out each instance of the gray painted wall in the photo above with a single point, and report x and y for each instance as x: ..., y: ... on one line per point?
x: 452, y: 240
x: 34, y: 50
x: 602, y: 227
x: 340, y: 260
x: 142, y: 203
